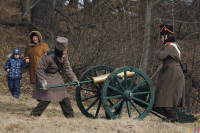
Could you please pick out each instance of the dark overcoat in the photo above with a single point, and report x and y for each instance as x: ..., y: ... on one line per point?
x: 170, y: 90
x: 47, y: 64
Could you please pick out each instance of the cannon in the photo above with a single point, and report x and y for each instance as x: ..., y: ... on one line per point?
x: 111, y: 92
x: 105, y: 92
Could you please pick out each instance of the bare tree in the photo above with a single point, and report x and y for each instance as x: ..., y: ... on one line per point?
x: 44, y: 18
x: 120, y: 33
x: 74, y: 3
x: 147, y: 34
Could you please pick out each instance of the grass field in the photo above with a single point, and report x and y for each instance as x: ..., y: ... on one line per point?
x: 14, y: 117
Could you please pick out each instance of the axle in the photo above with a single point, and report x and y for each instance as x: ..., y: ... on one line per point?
x: 73, y: 83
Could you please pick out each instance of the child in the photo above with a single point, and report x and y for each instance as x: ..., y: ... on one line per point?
x: 14, y: 72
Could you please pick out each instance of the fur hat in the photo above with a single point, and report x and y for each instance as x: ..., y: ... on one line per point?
x: 61, y: 43
x: 34, y: 33
x: 166, y: 30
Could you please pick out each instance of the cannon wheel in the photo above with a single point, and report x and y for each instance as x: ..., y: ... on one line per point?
x: 88, y: 95
x: 136, y: 93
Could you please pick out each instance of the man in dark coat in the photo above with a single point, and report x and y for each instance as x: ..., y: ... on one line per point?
x: 170, y: 90
x: 48, y: 74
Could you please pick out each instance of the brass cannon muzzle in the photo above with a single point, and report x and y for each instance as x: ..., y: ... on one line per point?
x: 102, y: 78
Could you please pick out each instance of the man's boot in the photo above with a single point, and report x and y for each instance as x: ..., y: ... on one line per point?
x: 67, y: 108
x: 41, y: 106
x: 171, y: 114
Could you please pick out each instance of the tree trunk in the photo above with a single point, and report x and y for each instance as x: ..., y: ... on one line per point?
x: 86, y: 3
x: 73, y: 3
x: 23, y: 4
x: 44, y: 20
x: 147, y: 35
x: 86, y: 7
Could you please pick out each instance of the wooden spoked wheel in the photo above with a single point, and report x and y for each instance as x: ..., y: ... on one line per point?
x: 127, y: 96
x: 88, y: 95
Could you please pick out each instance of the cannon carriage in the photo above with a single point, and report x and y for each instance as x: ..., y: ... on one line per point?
x: 105, y: 92
x: 114, y: 93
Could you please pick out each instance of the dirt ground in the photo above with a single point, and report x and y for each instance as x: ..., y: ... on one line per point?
x: 14, y: 115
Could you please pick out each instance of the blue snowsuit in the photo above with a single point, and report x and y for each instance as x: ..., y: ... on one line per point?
x: 15, y: 74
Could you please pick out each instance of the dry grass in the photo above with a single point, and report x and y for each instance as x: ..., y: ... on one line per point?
x: 14, y: 115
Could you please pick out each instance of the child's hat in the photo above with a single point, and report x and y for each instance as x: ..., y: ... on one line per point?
x: 17, y: 51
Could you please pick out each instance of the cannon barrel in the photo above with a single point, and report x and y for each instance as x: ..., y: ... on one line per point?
x: 95, y: 80
x: 102, y: 78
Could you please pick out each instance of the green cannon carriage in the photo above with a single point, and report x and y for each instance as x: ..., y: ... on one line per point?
x: 105, y: 92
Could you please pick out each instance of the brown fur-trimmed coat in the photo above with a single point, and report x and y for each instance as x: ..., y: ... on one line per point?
x: 34, y: 53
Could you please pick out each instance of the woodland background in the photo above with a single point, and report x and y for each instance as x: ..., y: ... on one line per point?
x: 115, y: 33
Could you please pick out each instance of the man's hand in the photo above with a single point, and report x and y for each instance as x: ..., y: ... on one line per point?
x: 77, y: 82
x: 44, y: 85
x: 8, y: 70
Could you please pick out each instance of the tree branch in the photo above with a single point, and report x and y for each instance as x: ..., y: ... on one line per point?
x: 156, y: 2
x: 63, y: 14
x: 31, y: 5
x: 25, y: 19
x: 11, y: 23
x: 178, y: 21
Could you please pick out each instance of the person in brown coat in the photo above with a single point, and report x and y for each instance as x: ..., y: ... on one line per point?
x: 36, y: 49
x: 170, y: 90
x: 48, y: 74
